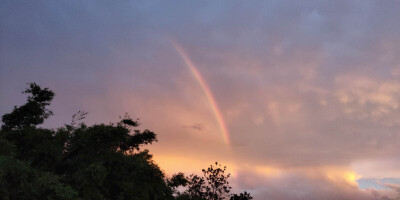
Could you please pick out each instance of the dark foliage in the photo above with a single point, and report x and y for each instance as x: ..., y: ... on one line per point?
x: 75, y: 162
x: 99, y: 162
x: 241, y: 196
x: 213, y: 185
x: 177, y: 180
x: 34, y: 112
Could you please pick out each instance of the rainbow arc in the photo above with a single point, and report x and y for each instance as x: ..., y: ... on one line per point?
x: 206, y: 89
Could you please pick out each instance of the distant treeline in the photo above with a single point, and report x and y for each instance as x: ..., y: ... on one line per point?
x: 99, y: 162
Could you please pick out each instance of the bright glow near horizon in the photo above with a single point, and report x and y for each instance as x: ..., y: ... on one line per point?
x: 300, y: 100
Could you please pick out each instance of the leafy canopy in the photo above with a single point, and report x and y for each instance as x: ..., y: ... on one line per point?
x: 76, y: 161
x: 98, y: 162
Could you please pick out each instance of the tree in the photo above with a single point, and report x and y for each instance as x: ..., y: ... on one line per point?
x: 102, y: 161
x: 217, y: 186
x: 75, y: 161
x: 34, y: 112
x: 26, y: 150
x: 19, y: 181
x: 241, y: 196
x: 177, y: 180
x: 196, y: 187
x: 212, y: 185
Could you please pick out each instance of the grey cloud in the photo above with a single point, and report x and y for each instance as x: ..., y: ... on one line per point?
x: 195, y: 126
x: 279, y: 72
x: 252, y: 55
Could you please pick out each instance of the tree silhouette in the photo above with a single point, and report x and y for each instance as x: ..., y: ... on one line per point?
x: 241, y: 196
x: 26, y: 151
x: 34, y: 112
x: 217, y: 186
x: 213, y: 185
x: 75, y: 161
x: 80, y: 162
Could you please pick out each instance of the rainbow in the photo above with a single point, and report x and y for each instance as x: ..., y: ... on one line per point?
x: 206, y: 90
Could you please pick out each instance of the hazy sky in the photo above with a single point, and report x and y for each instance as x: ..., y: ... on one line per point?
x: 309, y: 91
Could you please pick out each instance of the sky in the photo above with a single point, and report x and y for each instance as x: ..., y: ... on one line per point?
x: 299, y: 99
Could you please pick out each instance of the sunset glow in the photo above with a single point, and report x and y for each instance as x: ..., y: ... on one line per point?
x: 298, y: 99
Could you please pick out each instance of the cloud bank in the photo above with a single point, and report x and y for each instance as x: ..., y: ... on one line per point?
x: 309, y: 91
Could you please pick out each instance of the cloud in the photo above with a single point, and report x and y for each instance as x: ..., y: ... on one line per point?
x: 195, y: 126
x: 300, y: 85
x: 294, y: 184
